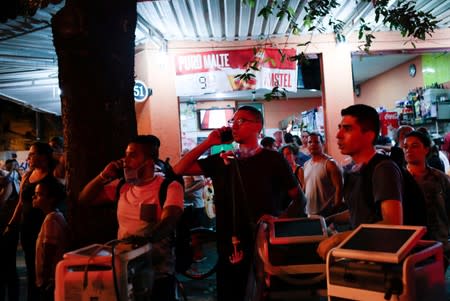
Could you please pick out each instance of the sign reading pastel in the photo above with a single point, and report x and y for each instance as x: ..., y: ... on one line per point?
x: 215, y: 71
x: 141, y: 92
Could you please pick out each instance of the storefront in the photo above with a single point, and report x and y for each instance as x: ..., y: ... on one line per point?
x: 416, y: 93
x: 174, y: 118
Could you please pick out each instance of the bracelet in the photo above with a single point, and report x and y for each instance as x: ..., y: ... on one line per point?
x: 104, y: 179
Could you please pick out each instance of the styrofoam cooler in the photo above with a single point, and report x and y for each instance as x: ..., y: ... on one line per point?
x: 86, y: 274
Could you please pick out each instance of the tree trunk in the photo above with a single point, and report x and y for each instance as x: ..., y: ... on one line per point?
x: 94, y: 41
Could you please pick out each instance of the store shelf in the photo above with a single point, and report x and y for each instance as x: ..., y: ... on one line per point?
x: 425, y: 121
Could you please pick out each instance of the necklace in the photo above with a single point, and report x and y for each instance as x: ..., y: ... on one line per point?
x: 133, y: 193
x: 246, y: 153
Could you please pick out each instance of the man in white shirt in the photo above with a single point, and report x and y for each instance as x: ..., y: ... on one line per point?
x: 139, y: 212
x: 323, y: 179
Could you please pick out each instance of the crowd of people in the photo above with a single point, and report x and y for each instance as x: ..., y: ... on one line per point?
x: 284, y: 176
x: 30, y: 210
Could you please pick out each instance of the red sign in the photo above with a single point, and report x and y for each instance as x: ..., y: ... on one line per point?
x: 389, y: 123
x: 215, y: 71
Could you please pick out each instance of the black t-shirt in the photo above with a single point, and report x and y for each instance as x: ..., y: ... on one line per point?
x: 266, y: 178
x: 32, y: 218
x: 364, y: 206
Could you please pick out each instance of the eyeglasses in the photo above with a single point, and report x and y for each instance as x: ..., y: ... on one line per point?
x: 239, y: 121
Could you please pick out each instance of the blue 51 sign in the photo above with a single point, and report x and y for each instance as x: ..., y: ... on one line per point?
x: 141, y: 92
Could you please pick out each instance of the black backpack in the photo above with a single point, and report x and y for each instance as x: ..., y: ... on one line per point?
x: 413, y: 199
x: 183, y: 248
x: 182, y: 236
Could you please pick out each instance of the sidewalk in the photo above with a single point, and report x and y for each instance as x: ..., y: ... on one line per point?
x: 196, y: 290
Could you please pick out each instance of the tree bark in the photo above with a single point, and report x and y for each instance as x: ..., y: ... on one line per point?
x: 94, y: 41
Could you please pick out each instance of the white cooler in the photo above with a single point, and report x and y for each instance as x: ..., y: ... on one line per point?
x: 86, y: 274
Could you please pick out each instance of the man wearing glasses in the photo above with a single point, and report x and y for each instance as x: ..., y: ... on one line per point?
x: 249, y: 183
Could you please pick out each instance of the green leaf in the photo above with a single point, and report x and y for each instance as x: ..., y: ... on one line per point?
x: 250, y: 3
x: 265, y: 12
x: 291, y: 11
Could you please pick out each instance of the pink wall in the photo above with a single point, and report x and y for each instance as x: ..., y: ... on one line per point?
x: 277, y: 110
x: 390, y: 86
x: 159, y: 115
x: 338, y: 93
x: 274, y: 111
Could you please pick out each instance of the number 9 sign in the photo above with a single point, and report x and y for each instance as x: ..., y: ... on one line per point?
x: 141, y: 92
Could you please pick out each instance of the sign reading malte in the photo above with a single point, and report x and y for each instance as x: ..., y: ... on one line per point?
x: 141, y: 92
x: 219, y: 71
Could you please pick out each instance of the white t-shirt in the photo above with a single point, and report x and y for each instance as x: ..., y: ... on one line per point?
x: 54, y: 231
x: 139, y: 210
x: 138, y: 202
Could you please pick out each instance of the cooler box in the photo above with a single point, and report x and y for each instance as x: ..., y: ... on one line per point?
x: 87, y: 274
x: 386, y: 262
x: 287, y: 249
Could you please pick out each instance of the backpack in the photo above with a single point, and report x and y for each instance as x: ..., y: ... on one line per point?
x: 413, y: 199
x: 182, y: 236
x: 183, y: 249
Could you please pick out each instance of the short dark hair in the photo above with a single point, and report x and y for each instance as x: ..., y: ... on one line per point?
x: 292, y: 147
x: 425, y: 139
x: 8, y: 161
x: 366, y: 116
x: 267, y: 141
x: 150, y: 144
x: 317, y: 135
x: 54, y: 189
x: 58, y: 141
x: 254, y: 111
x: 288, y: 138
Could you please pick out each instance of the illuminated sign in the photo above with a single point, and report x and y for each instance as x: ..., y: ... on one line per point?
x: 141, y: 92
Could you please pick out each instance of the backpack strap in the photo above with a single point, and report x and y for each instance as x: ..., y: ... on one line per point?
x: 163, y: 191
x: 170, y: 176
x: 367, y: 177
x: 118, y: 188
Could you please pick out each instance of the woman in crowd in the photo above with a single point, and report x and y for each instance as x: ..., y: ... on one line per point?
x: 52, y: 241
x: 288, y: 152
x: 42, y: 164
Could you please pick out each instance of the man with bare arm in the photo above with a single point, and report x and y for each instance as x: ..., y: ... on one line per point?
x: 371, y: 198
x: 248, y: 183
